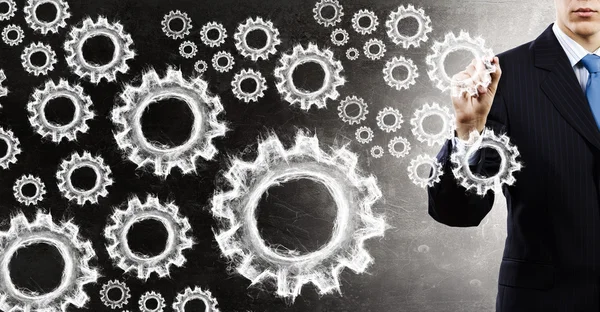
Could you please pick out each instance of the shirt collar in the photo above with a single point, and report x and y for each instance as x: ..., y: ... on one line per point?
x: 575, y: 52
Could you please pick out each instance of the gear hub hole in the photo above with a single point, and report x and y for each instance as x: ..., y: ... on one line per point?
x: 213, y: 34
x: 296, y: 216
x: 37, y: 268
x: 248, y: 85
x: 59, y: 111
x: 151, y: 304
x: 115, y: 294
x: 84, y: 178
x: 12, y: 34
x: 4, y: 7
x: 309, y: 76
x: 491, y: 153
x: 176, y: 24
x: 29, y: 190
x: 98, y: 50
x: 353, y: 110
x: 457, y: 61
x: 256, y: 39
x: 46, y: 12
x: 433, y: 124
x: 327, y: 12
x: 389, y: 119
x: 167, y: 122
x: 195, y: 305
x: 374, y: 49
x: 3, y: 148
x: 365, y: 22
x: 147, y: 237
x: 408, y: 26
x: 38, y: 59
x: 400, y: 73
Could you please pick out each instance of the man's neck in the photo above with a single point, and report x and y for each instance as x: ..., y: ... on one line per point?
x: 590, y: 43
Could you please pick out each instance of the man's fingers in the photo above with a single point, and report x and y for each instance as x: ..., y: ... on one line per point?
x: 496, y: 75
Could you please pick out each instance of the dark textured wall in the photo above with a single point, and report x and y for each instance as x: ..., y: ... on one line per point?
x: 457, y: 272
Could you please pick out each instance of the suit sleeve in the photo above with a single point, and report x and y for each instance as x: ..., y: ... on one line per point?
x: 449, y: 202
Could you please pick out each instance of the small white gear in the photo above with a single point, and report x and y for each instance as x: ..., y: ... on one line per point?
x: 392, y: 147
x: 115, y: 285
x: 332, y: 79
x: 335, y: 34
x: 395, y: 62
x: 352, y: 54
x: 177, y: 228
x: 200, y: 66
x: 407, y: 12
x: 338, y: 12
x: 353, y: 100
x: 508, y: 165
x: 45, y: 27
x: 191, y: 48
x: 223, y: 68
x: 95, y: 72
x: 151, y: 295
x: 380, y: 49
x: 210, y: 302
x: 216, y: 42
x: 239, y: 238
x: 76, y: 255
x: 440, y: 77
x: 78, y: 161
x: 3, y: 89
x: 426, y: 111
x: 376, y: 151
x: 186, y: 22
x: 389, y: 111
x: 244, y: 74
x: 12, y: 9
x: 204, y: 107
x: 361, y: 138
x: 37, y: 110
x: 16, y: 29
x: 373, y: 22
x: 12, y: 148
x: 38, y: 69
x: 430, y: 161
x: 258, y: 24
x: 40, y: 190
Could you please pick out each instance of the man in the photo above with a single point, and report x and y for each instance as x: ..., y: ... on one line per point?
x: 546, y: 98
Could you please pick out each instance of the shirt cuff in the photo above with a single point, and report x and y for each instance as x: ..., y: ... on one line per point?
x: 462, y: 145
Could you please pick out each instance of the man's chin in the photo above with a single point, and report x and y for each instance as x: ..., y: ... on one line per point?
x: 585, y: 28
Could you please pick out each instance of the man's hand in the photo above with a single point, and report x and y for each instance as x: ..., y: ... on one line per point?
x: 472, y: 111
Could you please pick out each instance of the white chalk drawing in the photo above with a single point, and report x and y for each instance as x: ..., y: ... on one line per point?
x: 151, y: 296
x: 12, y: 148
x: 213, y: 42
x: 13, y: 40
x: 10, y: 12
x: 352, y: 54
x: 364, y: 135
x: 38, y: 196
x: 426, y: 111
x: 368, y: 14
x: 230, y: 61
x: 353, y: 101
x: 245, y: 74
x: 42, y: 26
x: 210, y: 302
x: 186, y: 26
x: 111, y: 286
x: 381, y: 119
x: 399, y: 38
x: 425, y: 160
x: 200, y: 66
x: 394, y: 82
x: 395, y: 142
x: 258, y: 24
x: 336, y: 34
x: 368, y: 49
x: 188, y: 49
x: 338, y: 12
x: 38, y: 47
x: 79, y: 161
x: 377, y: 151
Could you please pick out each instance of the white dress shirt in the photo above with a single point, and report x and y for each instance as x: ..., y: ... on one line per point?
x: 575, y: 52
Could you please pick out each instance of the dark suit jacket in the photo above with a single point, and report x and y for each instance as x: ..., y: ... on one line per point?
x: 551, y: 258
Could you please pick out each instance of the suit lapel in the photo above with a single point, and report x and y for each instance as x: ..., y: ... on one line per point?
x: 562, y: 87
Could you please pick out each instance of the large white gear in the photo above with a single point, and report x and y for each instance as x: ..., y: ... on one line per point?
x: 82, y: 110
x: 115, y: 303
x: 3, y: 89
x: 387, y: 111
x: 193, y: 49
x: 339, y: 42
x: 239, y: 238
x: 440, y: 77
x: 407, y: 12
x: 509, y: 164
x: 258, y: 24
x: 12, y: 9
x: 426, y: 111
x: 45, y: 27
x: 374, y: 22
x: 331, y: 81
x: 13, y: 28
x: 160, y: 302
x: 216, y: 42
x: 38, y: 69
x: 194, y: 93
x: 223, y: 68
x: 392, y: 147
x: 78, y: 161
x: 176, y: 15
x: 40, y: 190
x: 352, y: 54
x: 374, y: 42
x: 76, y: 254
x: 353, y: 100
x: 338, y: 12
x: 430, y: 161
x: 13, y: 149
x: 359, y: 135
x: 96, y: 72
x: 236, y: 85
x: 377, y: 151
x: 395, y: 62
x: 210, y: 302
x: 177, y: 228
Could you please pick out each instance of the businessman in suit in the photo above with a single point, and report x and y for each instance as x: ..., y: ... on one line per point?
x: 545, y: 95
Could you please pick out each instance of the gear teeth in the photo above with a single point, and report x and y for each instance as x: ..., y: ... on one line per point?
x: 448, y: 126
x: 111, y: 285
x: 259, y: 92
x: 397, y: 119
x: 352, y: 54
x: 13, y: 28
x: 376, y: 151
x: 237, y: 235
x: 338, y: 10
x: 392, y: 147
x: 430, y: 161
x: 10, y: 13
x: 360, y: 138
x: 353, y: 100
x: 173, y: 15
x: 197, y: 293
x: 395, y: 62
x: 257, y: 24
x: 216, y: 42
x: 12, y: 150
x: 339, y: 42
x: 38, y: 69
x: 191, y: 53
x: 200, y: 66
x: 151, y: 295
x: 44, y: 27
x: 365, y: 30
x: 223, y: 68
x: 374, y: 42
x: 81, y: 196
x: 403, y: 12
x: 40, y: 190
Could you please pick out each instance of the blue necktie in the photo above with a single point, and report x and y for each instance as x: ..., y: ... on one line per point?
x: 591, y: 62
